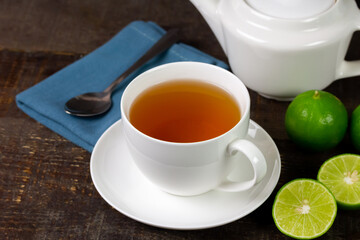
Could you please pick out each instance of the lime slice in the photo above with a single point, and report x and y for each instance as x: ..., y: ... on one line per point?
x: 304, y: 209
x: 341, y: 174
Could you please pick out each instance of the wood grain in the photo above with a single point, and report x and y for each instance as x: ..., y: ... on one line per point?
x: 46, y: 190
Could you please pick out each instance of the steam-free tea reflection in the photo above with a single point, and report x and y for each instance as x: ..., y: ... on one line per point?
x: 184, y: 111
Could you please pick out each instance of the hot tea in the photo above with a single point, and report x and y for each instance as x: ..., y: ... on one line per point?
x: 184, y: 110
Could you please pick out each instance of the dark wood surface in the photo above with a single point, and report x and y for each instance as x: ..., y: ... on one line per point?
x: 46, y: 190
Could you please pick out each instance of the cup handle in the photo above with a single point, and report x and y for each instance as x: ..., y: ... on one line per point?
x: 256, y: 159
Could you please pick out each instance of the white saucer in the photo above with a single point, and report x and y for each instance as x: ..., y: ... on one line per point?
x: 121, y: 184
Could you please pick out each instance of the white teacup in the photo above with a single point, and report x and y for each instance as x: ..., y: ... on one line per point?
x: 187, y: 169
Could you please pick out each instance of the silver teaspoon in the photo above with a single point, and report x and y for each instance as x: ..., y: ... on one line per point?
x: 96, y: 103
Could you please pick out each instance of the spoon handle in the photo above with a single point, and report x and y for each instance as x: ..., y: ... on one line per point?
x: 164, y: 43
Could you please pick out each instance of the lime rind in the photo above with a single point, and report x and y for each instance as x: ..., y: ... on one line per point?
x: 316, y: 123
x: 355, y: 128
x: 341, y: 174
x: 291, y: 219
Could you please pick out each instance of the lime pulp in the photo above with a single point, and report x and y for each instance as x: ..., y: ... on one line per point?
x: 304, y: 209
x: 341, y: 174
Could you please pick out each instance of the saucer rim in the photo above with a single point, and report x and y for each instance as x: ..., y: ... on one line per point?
x: 265, y: 192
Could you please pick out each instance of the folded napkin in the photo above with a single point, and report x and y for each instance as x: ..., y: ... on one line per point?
x: 45, y: 101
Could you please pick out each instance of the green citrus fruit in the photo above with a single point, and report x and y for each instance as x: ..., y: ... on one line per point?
x: 316, y: 120
x: 341, y: 174
x: 304, y: 209
x: 355, y: 128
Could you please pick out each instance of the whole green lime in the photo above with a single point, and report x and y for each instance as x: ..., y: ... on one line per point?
x: 316, y: 120
x: 355, y: 128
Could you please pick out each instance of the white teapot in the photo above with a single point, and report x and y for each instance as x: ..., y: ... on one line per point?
x: 280, y: 48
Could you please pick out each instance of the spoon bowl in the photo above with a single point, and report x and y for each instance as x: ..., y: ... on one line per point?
x: 96, y: 103
x: 89, y: 104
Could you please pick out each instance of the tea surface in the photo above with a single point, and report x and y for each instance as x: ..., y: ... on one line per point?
x: 184, y: 111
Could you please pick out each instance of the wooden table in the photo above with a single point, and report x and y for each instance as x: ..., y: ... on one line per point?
x: 46, y: 190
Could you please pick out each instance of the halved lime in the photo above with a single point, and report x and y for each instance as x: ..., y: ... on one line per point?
x: 304, y: 209
x: 341, y: 174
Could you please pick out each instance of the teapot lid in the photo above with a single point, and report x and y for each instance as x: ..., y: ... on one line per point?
x: 291, y: 9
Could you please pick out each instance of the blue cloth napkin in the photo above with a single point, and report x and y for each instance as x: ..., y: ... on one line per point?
x: 45, y: 101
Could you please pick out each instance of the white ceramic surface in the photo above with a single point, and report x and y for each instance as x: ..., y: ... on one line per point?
x: 124, y: 187
x: 193, y: 168
x: 279, y: 57
x: 293, y: 9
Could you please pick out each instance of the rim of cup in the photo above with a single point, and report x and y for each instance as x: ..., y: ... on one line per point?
x: 244, y: 92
